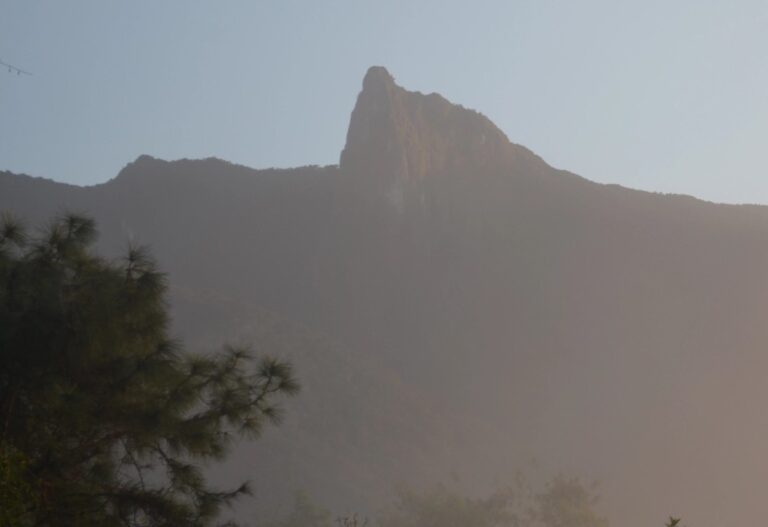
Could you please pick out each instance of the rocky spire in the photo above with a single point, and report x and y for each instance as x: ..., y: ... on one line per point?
x: 396, y: 138
x: 413, y: 134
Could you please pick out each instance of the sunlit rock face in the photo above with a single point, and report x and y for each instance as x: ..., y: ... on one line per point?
x: 398, y: 138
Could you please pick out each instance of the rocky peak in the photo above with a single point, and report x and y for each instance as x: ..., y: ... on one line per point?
x: 396, y: 138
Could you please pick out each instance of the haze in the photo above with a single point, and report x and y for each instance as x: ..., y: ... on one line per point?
x: 655, y: 95
x: 476, y: 258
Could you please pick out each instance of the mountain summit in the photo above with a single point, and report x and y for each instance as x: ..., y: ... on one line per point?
x: 396, y: 138
x: 454, y: 305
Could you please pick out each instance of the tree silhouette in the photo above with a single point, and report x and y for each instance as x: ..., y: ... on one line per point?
x: 111, y: 418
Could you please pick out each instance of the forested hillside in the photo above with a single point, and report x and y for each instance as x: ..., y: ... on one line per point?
x: 456, y: 308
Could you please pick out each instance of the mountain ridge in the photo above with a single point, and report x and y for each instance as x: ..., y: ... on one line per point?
x: 524, y: 311
x: 376, y: 80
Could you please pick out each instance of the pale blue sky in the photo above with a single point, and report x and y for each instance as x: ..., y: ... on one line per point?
x: 660, y: 95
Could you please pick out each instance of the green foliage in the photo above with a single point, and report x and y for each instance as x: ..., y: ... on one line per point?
x: 112, y: 419
x: 17, y: 499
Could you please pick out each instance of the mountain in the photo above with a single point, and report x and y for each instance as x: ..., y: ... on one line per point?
x: 456, y: 307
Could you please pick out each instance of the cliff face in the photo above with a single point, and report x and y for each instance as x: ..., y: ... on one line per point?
x: 457, y: 306
x: 397, y: 138
x: 394, y: 133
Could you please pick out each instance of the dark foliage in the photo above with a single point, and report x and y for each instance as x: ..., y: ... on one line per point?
x: 112, y: 419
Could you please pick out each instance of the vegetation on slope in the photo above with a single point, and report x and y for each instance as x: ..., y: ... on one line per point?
x: 105, y: 419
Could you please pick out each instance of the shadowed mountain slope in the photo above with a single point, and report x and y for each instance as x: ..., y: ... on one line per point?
x: 457, y: 306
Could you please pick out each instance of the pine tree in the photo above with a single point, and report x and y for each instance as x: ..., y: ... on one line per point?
x: 112, y: 418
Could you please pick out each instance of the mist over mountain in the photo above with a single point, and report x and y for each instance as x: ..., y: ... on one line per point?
x: 457, y: 308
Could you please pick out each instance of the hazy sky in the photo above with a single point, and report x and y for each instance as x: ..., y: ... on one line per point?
x: 659, y: 95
